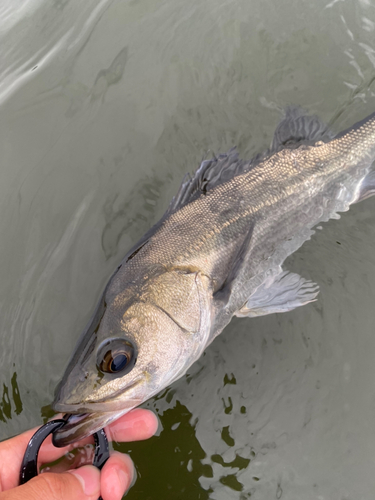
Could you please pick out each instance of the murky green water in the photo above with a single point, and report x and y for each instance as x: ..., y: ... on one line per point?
x: 104, y: 105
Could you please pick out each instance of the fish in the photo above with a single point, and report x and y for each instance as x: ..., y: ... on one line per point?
x: 216, y: 253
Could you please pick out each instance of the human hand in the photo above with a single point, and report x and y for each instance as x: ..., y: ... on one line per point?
x: 84, y: 483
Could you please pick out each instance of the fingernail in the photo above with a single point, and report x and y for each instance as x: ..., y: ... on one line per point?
x: 89, y: 477
x: 124, y: 480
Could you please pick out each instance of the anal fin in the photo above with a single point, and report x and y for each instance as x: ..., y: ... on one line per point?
x: 285, y: 293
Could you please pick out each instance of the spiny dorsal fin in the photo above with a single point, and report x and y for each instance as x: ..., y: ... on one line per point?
x: 297, y: 126
x: 211, y: 173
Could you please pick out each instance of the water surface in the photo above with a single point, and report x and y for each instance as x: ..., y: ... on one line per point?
x: 105, y: 105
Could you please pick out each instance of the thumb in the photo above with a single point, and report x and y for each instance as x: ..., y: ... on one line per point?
x: 79, y: 484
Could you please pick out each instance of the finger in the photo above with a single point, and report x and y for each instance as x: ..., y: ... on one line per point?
x: 116, y: 476
x: 11, y: 455
x: 136, y: 425
x: 12, y: 452
x: 80, y: 484
x: 84, y: 455
x: 15, y: 446
x: 49, y: 453
x: 133, y: 426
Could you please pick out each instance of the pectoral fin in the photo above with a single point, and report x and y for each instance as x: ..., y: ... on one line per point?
x: 286, y: 292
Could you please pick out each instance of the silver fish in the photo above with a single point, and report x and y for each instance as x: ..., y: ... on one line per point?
x: 217, y: 252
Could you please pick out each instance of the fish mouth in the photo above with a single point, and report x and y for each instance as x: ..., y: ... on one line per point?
x: 82, y: 420
x: 101, y: 406
x: 64, y: 399
x: 80, y: 426
x: 87, y: 417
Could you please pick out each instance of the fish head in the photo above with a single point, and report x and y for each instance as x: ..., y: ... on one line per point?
x: 140, y: 340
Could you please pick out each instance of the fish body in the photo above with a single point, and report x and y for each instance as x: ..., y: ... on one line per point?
x: 216, y: 253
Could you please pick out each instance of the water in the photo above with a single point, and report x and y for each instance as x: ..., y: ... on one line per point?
x: 104, y: 106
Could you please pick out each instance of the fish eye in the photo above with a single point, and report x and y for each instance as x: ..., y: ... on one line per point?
x: 116, y: 355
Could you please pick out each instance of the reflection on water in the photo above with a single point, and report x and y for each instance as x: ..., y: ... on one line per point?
x: 179, y: 457
x: 104, y: 108
x: 10, y: 402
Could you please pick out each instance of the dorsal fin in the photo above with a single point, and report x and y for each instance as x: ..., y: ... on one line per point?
x: 297, y: 126
x: 211, y: 173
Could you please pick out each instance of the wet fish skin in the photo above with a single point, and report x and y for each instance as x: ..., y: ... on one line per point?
x: 217, y: 252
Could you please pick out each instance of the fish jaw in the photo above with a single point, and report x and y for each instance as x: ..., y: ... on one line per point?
x: 86, y: 418
x: 80, y: 426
